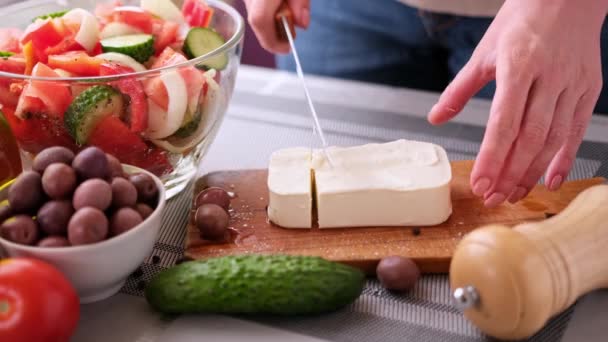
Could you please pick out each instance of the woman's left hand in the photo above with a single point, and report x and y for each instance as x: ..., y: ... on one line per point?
x: 545, y: 58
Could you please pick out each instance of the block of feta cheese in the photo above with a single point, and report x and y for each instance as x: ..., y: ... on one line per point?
x: 290, y: 188
x: 399, y: 183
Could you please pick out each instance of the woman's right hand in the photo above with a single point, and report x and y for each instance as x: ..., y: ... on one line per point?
x: 261, y: 17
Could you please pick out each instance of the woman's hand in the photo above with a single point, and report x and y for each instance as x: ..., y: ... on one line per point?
x: 545, y: 58
x: 261, y: 17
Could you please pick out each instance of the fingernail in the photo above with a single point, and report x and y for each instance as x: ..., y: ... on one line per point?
x: 556, y: 183
x: 518, y: 194
x: 305, y: 17
x: 495, y: 200
x: 481, y: 186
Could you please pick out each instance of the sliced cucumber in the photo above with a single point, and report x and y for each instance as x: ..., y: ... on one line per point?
x: 138, y: 46
x: 90, y: 107
x: 6, y: 54
x: 200, y: 41
x: 51, y: 15
x: 189, y: 126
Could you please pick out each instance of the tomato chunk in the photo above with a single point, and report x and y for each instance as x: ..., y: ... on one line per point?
x: 77, y: 62
x: 114, y: 137
x: 165, y: 34
x: 135, y: 17
x: 197, y: 13
x: 130, y: 86
x: 44, y: 34
x: 9, y: 39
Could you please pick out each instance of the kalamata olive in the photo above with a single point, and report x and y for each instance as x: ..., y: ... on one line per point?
x: 115, y: 167
x: 212, y: 221
x: 54, y: 241
x: 144, y: 210
x: 213, y: 195
x: 59, y: 181
x: 397, y: 273
x: 26, y: 194
x: 146, y: 188
x: 51, y: 155
x: 54, y: 216
x: 124, y: 219
x: 20, y: 229
x: 5, y: 212
x: 94, y: 193
x: 91, y: 163
x: 88, y: 225
x: 124, y: 193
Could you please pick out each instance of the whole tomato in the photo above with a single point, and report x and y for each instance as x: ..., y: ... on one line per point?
x: 37, y: 303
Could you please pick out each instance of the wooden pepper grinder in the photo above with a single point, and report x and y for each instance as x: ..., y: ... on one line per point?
x: 510, y: 282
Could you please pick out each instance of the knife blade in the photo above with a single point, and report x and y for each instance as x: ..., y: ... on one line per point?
x: 287, y: 31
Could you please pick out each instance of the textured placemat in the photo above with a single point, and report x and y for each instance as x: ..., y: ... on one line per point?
x: 259, y: 124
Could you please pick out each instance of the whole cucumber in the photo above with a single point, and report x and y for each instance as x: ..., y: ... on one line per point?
x: 255, y: 284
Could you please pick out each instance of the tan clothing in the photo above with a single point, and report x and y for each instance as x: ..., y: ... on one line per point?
x: 473, y: 8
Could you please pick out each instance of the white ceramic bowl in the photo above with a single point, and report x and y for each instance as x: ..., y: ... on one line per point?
x: 99, y: 270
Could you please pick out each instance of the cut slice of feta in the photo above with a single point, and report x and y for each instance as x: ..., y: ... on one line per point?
x: 290, y: 188
x: 400, y: 183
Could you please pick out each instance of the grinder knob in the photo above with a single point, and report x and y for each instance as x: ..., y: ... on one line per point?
x: 511, y: 281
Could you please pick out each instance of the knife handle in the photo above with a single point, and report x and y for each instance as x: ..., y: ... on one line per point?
x: 525, y: 275
x: 284, y: 10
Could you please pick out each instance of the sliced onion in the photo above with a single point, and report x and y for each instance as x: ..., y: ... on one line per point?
x: 211, y: 118
x: 88, y: 34
x: 115, y: 29
x: 164, y: 9
x: 163, y: 124
x: 209, y: 78
x: 122, y: 59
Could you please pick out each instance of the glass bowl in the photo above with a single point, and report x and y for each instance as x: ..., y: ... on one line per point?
x: 196, y: 97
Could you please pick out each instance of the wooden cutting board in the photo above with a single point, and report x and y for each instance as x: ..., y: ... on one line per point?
x: 430, y: 247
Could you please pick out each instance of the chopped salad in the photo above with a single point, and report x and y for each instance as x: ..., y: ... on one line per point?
x: 139, y: 119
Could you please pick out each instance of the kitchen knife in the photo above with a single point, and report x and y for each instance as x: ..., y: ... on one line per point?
x: 286, y: 31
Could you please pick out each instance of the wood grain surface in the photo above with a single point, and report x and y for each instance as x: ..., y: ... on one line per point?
x: 430, y: 247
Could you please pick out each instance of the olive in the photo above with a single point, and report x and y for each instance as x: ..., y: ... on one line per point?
x: 124, y: 219
x: 94, y: 193
x: 115, y: 167
x: 88, y: 225
x: 59, y: 181
x: 54, y: 216
x: 20, y: 229
x: 54, y: 241
x: 51, y: 155
x: 212, y: 222
x: 91, y: 163
x: 26, y: 195
x: 144, y: 210
x: 397, y: 273
x: 146, y: 187
x: 5, y: 212
x: 124, y: 193
x: 213, y: 195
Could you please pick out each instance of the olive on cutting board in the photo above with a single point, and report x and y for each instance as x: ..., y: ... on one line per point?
x: 213, y: 195
x: 397, y: 273
x: 212, y: 221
